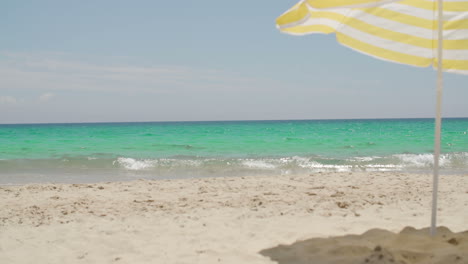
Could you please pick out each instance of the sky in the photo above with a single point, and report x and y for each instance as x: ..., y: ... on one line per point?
x: 151, y: 60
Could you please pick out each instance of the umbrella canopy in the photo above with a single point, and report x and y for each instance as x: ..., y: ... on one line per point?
x: 398, y: 31
x: 420, y: 33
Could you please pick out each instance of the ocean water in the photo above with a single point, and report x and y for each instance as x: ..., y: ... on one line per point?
x: 122, y: 151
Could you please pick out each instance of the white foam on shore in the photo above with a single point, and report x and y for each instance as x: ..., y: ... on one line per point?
x: 258, y: 164
x: 133, y: 164
x: 421, y: 160
x: 427, y: 160
x: 295, y: 164
x: 145, y: 164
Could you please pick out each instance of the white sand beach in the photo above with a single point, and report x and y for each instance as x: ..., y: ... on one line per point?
x: 230, y: 220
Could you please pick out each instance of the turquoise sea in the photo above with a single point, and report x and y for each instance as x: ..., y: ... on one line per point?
x: 122, y: 151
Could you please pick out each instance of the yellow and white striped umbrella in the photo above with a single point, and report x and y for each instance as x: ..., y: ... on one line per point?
x: 398, y: 31
x: 413, y: 32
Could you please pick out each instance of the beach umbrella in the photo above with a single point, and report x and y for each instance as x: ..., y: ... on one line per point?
x: 420, y: 33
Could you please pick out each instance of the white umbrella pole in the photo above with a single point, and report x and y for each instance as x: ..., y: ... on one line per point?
x: 438, y: 120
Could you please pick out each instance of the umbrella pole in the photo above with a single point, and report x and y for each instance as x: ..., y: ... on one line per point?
x: 438, y: 120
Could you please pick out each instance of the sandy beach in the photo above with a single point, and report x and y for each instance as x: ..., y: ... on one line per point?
x: 234, y: 220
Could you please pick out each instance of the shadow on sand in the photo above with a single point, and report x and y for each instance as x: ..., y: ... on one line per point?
x: 410, y: 246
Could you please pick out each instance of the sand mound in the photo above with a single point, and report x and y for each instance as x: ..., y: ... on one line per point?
x: 378, y: 246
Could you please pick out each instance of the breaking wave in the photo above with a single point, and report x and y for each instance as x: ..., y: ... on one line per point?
x: 453, y: 162
x: 89, y: 169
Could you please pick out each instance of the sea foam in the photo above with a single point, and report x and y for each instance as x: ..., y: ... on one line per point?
x: 134, y: 164
x: 292, y: 165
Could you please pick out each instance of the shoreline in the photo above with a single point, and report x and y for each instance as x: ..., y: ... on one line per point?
x: 115, y: 176
x: 214, y: 220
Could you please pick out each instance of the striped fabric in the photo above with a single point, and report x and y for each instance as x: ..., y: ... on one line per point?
x: 321, y: 4
x: 399, y: 31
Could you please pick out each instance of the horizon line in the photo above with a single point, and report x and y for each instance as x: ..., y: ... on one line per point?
x: 232, y: 120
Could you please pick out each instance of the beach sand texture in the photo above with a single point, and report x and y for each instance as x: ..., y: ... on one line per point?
x: 235, y: 220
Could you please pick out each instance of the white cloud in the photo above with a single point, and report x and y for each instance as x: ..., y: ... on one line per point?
x: 46, y: 97
x: 8, y: 100
x: 54, y: 72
